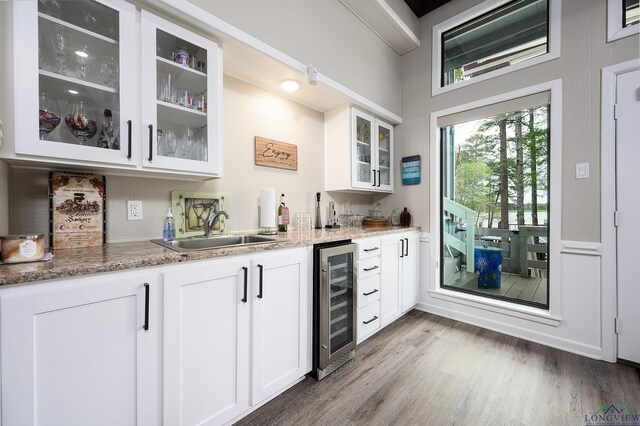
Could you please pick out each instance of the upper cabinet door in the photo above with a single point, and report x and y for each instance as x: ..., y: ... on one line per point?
x: 362, y: 150
x: 181, y: 91
x: 78, y: 73
x: 384, y: 157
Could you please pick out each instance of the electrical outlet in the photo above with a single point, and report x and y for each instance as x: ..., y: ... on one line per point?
x: 134, y: 210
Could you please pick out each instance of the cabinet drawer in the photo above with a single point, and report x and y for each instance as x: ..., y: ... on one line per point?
x: 368, y: 267
x: 368, y: 290
x: 368, y: 320
x: 368, y: 248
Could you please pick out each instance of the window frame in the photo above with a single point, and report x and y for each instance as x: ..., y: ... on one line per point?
x: 553, y: 43
x: 552, y: 315
x: 615, y: 30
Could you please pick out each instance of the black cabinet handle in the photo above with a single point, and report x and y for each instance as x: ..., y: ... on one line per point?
x: 406, y: 253
x: 146, y: 307
x: 260, y: 282
x: 150, y: 142
x: 129, y: 136
x: 402, y: 249
x: 246, y: 272
x: 372, y: 249
x: 378, y: 178
x: 371, y: 320
x: 375, y: 290
x: 371, y: 269
x: 374, y: 177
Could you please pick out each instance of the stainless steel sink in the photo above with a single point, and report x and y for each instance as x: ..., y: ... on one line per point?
x: 201, y: 243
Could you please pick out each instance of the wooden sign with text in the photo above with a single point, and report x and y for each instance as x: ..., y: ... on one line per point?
x: 280, y: 155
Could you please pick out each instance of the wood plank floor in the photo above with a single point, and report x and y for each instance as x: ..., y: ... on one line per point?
x: 531, y: 289
x: 428, y: 370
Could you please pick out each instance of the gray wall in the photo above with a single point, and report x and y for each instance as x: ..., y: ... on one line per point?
x: 324, y: 33
x: 584, y: 52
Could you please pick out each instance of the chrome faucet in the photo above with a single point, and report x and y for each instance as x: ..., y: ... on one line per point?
x: 211, y: 220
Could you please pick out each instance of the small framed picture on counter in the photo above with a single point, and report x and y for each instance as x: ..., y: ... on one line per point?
x: 77, y: 215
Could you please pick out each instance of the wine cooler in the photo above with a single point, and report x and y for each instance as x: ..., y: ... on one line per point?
x: 334, y: 323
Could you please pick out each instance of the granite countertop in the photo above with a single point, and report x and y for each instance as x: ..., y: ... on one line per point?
x: 124, y: 256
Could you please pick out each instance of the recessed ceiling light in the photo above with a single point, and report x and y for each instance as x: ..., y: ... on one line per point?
x: 73, y: 92
x: 290, y: 85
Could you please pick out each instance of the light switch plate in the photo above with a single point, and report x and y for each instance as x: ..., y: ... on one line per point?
x: 582, y: 171
x: 134, y: 210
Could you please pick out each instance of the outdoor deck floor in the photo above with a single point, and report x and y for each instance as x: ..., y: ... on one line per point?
x: 531, y: 289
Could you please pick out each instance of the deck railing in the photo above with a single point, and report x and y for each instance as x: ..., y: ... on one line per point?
x: 466, y: 245
x: 521, y: 248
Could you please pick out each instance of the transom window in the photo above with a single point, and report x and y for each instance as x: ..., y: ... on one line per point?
x: 630, y: 13
x: 493, y: 38
x: 510, y: 34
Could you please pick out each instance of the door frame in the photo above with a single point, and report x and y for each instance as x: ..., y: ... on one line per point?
x: 609, y: 292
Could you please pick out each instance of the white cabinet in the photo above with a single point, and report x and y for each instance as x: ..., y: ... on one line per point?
x: 85, y: 69
x: 369, y: 287
x: 181, y: 104
x: 235, y: 334
x: 206, y: 342
x: 279, y: 331
x: 409, y: 271
x: 358, y: 152
x: 399, y: 274
x: 81, y: 352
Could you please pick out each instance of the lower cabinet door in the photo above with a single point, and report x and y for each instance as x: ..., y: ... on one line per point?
x: 279, y: 329
x: 206, y: 342
x: 391, y: 297
x: 409, y: 270
x: 81, y: 352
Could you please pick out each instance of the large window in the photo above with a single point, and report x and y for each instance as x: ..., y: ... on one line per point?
x: 493, y: 38
x: 495, y: 200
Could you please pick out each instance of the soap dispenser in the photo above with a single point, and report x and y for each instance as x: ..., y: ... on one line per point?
x: 169, y: 229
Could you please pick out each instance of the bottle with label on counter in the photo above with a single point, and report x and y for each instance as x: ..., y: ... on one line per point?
x: 283, y: 215
x: 169, y: 229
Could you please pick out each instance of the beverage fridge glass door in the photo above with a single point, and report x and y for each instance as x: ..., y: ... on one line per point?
x: 337, y: 306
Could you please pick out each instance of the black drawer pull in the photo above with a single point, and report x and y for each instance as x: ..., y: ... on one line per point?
x: 146, y: 307
x: 150, y: 142
x: 372, y: 249
x: 375, y: 290
x: 402, y: 249
x: 246, y: 271
x: 371, y: 269
x: 406, y: 253
x: 129, y: 135
x: 371, y: 320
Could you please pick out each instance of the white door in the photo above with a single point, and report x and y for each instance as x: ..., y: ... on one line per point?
x: 79, y: 353
x: 279, y: 321
x: 628, y: 207
x: 206, y: 343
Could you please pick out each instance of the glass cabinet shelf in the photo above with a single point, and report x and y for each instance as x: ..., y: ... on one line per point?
x: 76, y: 82
x: 76, y: 28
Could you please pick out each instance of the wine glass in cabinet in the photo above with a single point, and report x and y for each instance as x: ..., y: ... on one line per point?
x: 64, y: 59
x: 180, y: 95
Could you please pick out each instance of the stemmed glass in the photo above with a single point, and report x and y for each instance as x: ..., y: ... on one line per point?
x: 80, y: 121
x: 82, y: 57
x: 59, y: 43
x: 170, y: 144
x: 49, y: 116
x: 108, y: 72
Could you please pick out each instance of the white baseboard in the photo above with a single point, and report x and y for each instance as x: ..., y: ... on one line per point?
x: 511, y: 330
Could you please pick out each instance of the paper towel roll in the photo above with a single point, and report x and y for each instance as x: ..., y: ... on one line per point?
x: 267, y: 208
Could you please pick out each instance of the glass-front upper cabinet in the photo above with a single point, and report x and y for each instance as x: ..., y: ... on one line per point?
x: 372, y: 152
x: 77, y: 73
x: 363, y: 154
x: 181, y: 89
x: 384, y: 156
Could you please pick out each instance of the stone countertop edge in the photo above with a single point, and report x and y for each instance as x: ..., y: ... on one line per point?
x: 140, y: 254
